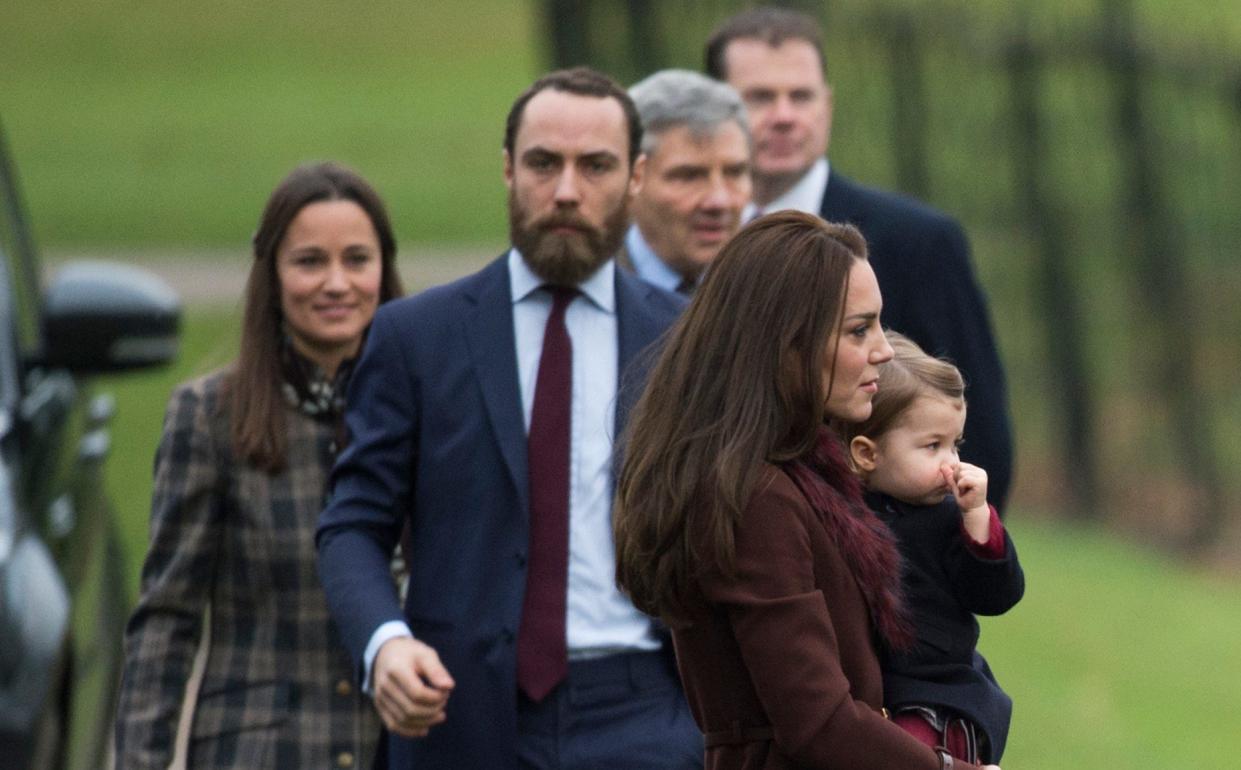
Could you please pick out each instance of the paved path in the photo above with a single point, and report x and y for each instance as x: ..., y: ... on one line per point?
x: 218, y: 276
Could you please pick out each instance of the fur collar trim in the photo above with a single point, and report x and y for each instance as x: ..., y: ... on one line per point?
x: 865, y: 542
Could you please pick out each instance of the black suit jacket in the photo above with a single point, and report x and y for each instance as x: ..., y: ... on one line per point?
x: 922, y: 260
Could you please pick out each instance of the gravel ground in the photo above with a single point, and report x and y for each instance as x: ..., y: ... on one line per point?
x: 217, y: 276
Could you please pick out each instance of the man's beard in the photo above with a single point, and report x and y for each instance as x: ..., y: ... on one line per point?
x: 565, y: 260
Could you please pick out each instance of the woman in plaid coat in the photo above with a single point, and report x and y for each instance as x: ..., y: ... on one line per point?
x: 239, y: 481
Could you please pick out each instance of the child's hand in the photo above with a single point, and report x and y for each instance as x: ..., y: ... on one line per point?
x: 969, y: 487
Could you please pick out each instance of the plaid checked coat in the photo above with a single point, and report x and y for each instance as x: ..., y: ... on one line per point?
x: 279, y: 690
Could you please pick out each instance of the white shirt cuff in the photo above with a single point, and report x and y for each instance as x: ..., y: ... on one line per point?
x: 390, y: 630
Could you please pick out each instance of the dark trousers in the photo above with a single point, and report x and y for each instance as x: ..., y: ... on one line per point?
x: 618, y: 711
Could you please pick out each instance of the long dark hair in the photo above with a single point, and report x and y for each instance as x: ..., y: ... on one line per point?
x: 739, y: 382
x: 252, y: 387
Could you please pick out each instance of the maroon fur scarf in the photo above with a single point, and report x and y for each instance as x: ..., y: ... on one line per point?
x: 865, y: 542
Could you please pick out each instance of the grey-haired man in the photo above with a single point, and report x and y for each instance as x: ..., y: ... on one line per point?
x: 697, y: 182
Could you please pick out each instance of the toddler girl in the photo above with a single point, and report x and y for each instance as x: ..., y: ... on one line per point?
x: 958, y: 560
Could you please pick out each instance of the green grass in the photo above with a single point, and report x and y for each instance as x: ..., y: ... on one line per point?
x: 167, y: 124
x: 1117, y: 657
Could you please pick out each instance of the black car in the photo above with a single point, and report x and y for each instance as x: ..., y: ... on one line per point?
x: 63, y: 600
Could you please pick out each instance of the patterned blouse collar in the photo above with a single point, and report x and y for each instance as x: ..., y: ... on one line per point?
x: 308, y: 389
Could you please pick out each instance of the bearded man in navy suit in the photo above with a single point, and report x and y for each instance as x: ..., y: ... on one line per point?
x: 774, y: 58
x: 482, y: 416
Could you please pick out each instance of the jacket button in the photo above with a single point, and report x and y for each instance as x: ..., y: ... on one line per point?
x: 521, y: 559
x: 507, y: 635
x: 343, y: 688
x: 344, y: 759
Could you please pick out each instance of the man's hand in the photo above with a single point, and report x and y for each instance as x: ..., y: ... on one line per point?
x: 411, y: 687
x: 969, y: 487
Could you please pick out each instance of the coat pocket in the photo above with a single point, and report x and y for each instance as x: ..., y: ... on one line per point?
x: 240, y: 707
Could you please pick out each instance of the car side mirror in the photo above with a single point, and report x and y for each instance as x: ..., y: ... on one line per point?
x: 108, y: 317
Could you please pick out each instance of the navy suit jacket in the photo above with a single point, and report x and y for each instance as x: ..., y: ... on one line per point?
x: 922, y: 260
x: 438, y: 439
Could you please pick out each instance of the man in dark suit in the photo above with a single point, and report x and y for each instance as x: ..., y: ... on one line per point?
x: 482, y: 416
x: 696, y: 145
x: 774, y: 58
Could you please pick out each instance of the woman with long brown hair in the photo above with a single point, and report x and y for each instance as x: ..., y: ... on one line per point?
x: 738, y: 521
x: 239, y: 480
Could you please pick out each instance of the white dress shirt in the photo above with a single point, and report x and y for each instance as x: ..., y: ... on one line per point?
x: 806, y: 195
x: 600, y: 620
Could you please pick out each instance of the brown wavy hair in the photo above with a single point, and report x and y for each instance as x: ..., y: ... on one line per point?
x: 739, y: 382
x: 252, y: 387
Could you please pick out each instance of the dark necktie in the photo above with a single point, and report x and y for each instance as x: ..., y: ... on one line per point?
x: 687, y: 286
x: 542, y: 657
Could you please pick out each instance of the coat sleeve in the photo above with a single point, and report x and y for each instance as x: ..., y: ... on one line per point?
x: 788, y: 641
x: 985, y: 586
x: 370, y: 489
x: 163, y: 633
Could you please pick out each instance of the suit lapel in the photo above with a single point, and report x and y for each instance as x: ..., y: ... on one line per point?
x: 637, y: 329
x: 489, y: 334
x: 493, y: 351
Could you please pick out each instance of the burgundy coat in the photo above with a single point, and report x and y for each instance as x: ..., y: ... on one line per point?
x: 780, y: 662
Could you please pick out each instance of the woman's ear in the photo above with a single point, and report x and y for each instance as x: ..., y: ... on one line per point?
x: 863, y: 451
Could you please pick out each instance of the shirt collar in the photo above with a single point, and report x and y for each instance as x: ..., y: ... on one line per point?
x: 806, y: 195
x: 599, y: 288
x: 647, y: 263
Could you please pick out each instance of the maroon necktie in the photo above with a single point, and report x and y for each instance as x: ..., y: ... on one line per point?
x: 542, y: 657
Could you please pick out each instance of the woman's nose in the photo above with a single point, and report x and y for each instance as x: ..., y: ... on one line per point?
x: 883, y: 353
x: 336, y: 280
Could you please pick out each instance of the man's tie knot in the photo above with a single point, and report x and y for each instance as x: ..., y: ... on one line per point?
x: 561, y: 295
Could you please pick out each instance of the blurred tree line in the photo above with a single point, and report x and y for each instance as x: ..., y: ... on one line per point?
x: 1094, y: 159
